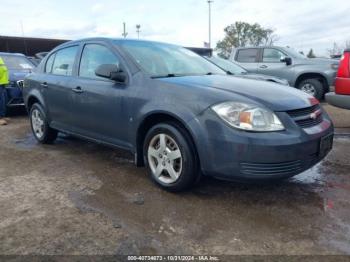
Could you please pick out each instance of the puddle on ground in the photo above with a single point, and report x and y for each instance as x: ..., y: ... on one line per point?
x: 28, y: 142
x: 311, y: 176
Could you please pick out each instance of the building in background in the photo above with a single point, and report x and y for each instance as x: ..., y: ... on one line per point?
x: 27, y: 45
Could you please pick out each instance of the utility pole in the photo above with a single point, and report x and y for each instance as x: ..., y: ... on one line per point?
x: 209, y: 3
x: 24, y: 40
x: 124, y: 34
x: 138, y: 30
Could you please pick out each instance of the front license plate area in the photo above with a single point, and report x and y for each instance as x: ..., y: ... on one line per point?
x: 326, y: 145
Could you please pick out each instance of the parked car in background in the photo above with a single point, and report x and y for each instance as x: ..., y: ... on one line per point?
x: 35, y: 61
x: 18, y: 66
x: 234, y: 69
x: 341, y: 96
x: 313, y: 76
x: 41, y: 55
x: 179, y: 114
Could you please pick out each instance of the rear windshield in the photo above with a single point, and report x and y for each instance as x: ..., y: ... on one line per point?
x: 17, y: 62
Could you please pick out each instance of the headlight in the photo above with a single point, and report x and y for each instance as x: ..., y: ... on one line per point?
x: 248, y: 117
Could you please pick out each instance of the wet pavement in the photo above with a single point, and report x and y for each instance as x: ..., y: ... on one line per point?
x: 75, y: 197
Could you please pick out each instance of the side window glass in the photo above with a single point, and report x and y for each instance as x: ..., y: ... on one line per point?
x: 49, y: 63
x: 64, y: 61
x: 272, y: 55
x: 247, y: 55
x: 93, y: 56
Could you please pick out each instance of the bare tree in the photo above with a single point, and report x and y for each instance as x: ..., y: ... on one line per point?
x: 347, y: 44
x: 271, y: 38
x: 335, y: 50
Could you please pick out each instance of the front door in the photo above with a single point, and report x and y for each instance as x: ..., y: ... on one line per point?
x: 271, y: 64
x: 97, y: 107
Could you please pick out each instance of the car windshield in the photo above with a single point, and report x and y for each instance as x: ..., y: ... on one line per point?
x: 293, y: 53
x: 13, y: 62
x: 227, y: 65
x: 165, y: 60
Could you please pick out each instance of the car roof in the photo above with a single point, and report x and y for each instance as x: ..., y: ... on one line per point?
x: 11, y: 54
x: 107, y: 39
x: 260, y: 47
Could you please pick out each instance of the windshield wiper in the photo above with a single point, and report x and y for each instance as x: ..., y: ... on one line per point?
x: 229, y: 72
x: 165, y: 76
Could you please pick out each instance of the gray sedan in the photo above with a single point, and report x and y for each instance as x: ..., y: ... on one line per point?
x: 180, y: 115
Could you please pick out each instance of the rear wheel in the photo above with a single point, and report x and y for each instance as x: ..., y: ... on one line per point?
x: 41, y: 130
x: 312, y: 87
x: 170, y: 157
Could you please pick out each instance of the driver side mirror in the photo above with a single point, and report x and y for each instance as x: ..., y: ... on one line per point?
x: 112, y: 72
x: 286, y: 60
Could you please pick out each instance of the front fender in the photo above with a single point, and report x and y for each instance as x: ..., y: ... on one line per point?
x: 328, y: 74
x: 182, y: 115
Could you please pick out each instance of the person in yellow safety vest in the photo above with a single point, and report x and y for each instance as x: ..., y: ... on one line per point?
x: 4, y: 80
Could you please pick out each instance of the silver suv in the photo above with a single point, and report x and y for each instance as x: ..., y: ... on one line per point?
x: 311, y: 75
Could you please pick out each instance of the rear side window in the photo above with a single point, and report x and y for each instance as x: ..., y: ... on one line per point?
x: 247, y: 55
x: 272, y: 55
x: 93, y: 56
x: 64, y: 61
x: 49, y: 63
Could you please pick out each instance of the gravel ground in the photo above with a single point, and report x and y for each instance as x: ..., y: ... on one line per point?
x: 75, y: 197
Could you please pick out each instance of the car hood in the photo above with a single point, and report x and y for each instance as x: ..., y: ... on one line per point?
x: 264, y: 78
x: 15, y: 75
x: 274, y: 96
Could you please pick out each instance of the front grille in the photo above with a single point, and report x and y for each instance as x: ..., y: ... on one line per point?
x: 307, y: 117
x: 284, y: 168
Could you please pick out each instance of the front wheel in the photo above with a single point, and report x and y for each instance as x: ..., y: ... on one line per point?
x: 312, y: 87
x: 170, y: 157
x: 40, y: 127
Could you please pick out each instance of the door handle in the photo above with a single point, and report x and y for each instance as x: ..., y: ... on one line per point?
x: 263, y: 66
x: 44, y: 85
x: 77, y: 90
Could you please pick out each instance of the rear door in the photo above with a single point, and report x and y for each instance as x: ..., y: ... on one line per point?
x: 271, y: 63
x: 59, y: 70
x: 97, y: 107
x: 248, y: 59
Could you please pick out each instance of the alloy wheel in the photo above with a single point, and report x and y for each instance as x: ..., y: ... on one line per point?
x: 38, y: 123
x: 164, y: 158
x: 309, y: 89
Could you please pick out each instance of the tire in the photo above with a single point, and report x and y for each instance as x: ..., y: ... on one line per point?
x: 42, y: 132
x: 313, y: 87
x: 176, y: 153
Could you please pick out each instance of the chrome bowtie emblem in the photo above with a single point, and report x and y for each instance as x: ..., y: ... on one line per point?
x: 313, y: 115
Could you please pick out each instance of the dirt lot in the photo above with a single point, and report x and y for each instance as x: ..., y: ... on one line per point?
x: 76, y: 197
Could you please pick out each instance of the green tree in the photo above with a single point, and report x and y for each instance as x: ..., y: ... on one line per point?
x: 241, y: 34
x: 311, y: 54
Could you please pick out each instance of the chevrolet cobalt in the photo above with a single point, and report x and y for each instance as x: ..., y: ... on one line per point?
x: 180, y: 115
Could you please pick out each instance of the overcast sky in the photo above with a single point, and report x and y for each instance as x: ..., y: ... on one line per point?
x: 302, y: 24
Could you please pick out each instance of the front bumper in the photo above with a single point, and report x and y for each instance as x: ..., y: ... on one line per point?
x: 342, y: 101
x: 232, y: 154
